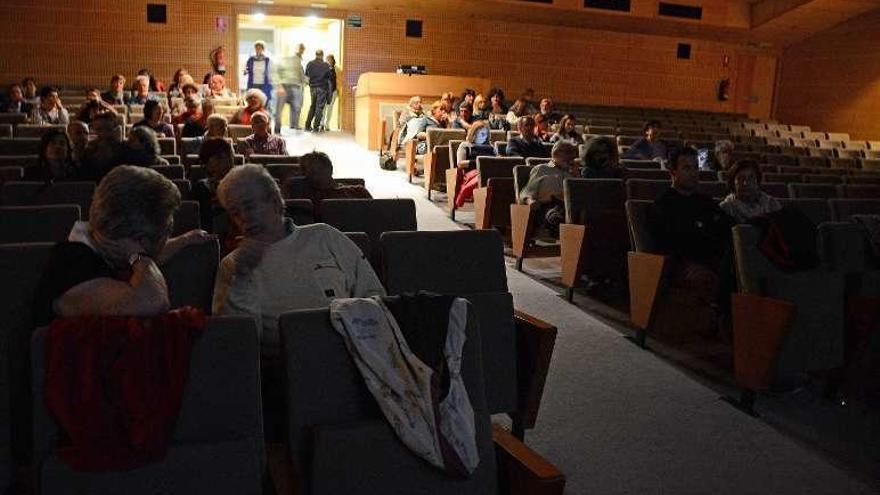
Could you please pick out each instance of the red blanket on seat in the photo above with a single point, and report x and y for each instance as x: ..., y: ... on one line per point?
x: 115, y: 385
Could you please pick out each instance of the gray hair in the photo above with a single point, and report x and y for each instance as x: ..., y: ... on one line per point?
x: 134, y: 203
x: 143, y: 78
x: 258, y: 93
x: 723, y: 145
x: 563, y: 151
x: 147, y: 137
x: 246, y: 189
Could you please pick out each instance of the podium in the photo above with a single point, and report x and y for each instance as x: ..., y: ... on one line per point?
x: 379, y: 94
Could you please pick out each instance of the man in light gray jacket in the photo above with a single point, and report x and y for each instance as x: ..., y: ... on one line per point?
x: 288, y: 75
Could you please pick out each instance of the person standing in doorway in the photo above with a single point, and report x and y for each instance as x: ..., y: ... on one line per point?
x: 333, y: 94
x: 318, y: 74
x: 288, y: 75
x: 257, y: 69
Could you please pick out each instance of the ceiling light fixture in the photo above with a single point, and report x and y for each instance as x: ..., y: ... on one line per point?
x: 266, y: 2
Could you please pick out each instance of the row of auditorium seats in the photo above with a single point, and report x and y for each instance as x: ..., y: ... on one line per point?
x: 514, y: 351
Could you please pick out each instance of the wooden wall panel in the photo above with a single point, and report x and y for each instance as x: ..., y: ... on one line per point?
x: 95, y: 38
x: 831, y: 81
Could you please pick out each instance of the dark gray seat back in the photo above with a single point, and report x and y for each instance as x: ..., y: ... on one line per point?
x: 842, y: 209
x: 302, y: 211
x: 219, y: 430
x: 647, y: 190
x: 190, y: 275
x: 520, y: 179
x: 19, y: 146
x: 40, y: 193
x: 491, y: 167
x: 639, y: 230
x: 820, y: 191
x: 816, y: 210
x: 187, y: 217
x: 372, y: 216
x: 49, y: 223
x: 336, y: 433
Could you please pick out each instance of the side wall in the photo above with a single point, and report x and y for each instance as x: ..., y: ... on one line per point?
x: 831, y: 81
x: 83, y: 44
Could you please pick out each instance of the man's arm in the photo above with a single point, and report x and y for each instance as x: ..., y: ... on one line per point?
x: 145, y: 294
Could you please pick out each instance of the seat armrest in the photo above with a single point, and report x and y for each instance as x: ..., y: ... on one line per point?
x: 535, y: 341
x: 521, y: 470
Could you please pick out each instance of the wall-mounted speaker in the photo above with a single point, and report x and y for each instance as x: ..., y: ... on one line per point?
x: 156, y: 13
x: 684, y: 50
x: 413, y: 28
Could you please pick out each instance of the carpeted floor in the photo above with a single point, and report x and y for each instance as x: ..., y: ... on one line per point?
x: 617, y: 419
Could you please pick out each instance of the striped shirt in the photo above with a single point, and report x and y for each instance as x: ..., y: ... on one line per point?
x: 270, y: 145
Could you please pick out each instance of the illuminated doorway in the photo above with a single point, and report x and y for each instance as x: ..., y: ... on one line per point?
x: 282, y: 35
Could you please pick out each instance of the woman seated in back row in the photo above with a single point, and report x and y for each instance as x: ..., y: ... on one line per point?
x: 110, y: 265
x: 256, y: 102
x: 746, y: 199
x: 55, y: 160
x: 567, y: 131
x: 476, y: 144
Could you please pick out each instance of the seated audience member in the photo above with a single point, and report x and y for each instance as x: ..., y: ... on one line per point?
x: 691, y: 229
x: 154, y: 118
x: 78, y: 132
x: 476, y: 144
x: 546, y: 109
x: 413, y: 110
x: 116, y: 94
x: 280, y: 266
x: 518, y: 109
x: 104, y: 152
x: 217, y: 128
x: 92, y: 108
x: 218, y: 63
x: 109, y: 265
x: 29, y: 86
x: 416, y: 127
x: 448, y: 103
x: 464, y: 118
x: 261, y: 142
x: 481, y: 108
x: 721, y: 159
x: 142, y: 148
x: 16, y: 102
x: 544, y: 188
x: 319, y: 178
x: 497, y: 112
x: 542, y: 128
x: 193, y: 119
x: 187, y: 90
x: 218, y: 158
x: 93, y: 94
x: 526, y: 145
x: 177, y: 82
x: 746, y: 199
x: 256, y: 102
x: 529, y: 97
x: 650, y: 147
x: 567, y: 131
x: 467, y: 97
x: 50, y: 110
x: 152, y: 83
x: 217, y: 88
x: 600, y: 159
x: 55, y: 160
x: 140, y: 91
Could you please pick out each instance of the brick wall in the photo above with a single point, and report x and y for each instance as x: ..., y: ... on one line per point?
x: 84, y: 43
x: 831, y: 81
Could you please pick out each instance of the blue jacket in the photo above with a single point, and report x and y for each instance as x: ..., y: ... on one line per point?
x: 249, y: 68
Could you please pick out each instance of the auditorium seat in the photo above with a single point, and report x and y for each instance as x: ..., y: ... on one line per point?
x: 594, y: 237
x: 471, y: 264
x: 23, y: 161
x: 8, y: 174
x: 282, y: 171
x: 495, y: 194
x: 5, y: 130
x: 870, y: 164
x: 821, y: 152
x: 186, y: 217
x: 371, y: 216
x: 813, y: 331
x: 861, y: 180
x: 500, y: 147
x: 843, y: 209
x: 301, y: 211
x: 36, y: 131
x: 267, y: 159
x: 778, y: 159
x: 22, y: 146
x: 13, y: 118
x: 812, y: 161
x: 437, y: 160
x: 524, y: 220
x: 170, y: 171
x: 217, y: 443
x: 848, y: 153
x: 859, y: 191
x: 802, y: 190
x: 640, y: 164
x: 190, y: 275
x: 185, y: 188
x: 648, y: 174
x: 48, y: 223
x: 646, y: 189
x: 775, y: 189
x: 848, y: 163
x: 167, y: 146
x: 237, y: 131
x: 341, y: 443
x: 816, y: 209
x: 822, y: 179
x: 39, y: 193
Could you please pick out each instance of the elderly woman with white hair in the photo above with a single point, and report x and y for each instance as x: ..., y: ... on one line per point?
x: 141, y: 91
x: 280, y: 266
x: 721, y: 159
x: 255, y: 101
x: 110, y: 264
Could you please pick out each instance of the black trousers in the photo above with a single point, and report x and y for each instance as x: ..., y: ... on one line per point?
x: 316, y: 109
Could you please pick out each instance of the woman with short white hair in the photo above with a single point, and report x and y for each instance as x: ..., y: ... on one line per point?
x: 279, y: 266
x: 141, y: 91
x: 110, y: 264
x: 255, y: 101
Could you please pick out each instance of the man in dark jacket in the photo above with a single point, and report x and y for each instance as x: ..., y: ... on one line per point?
x: 318, y: 73
x: 650, y: 147
x: 16, y: 102
x: 527, y: 144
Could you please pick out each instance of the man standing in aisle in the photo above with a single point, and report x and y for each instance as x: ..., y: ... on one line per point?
x: 318, y: 74
x: 288, y: 75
